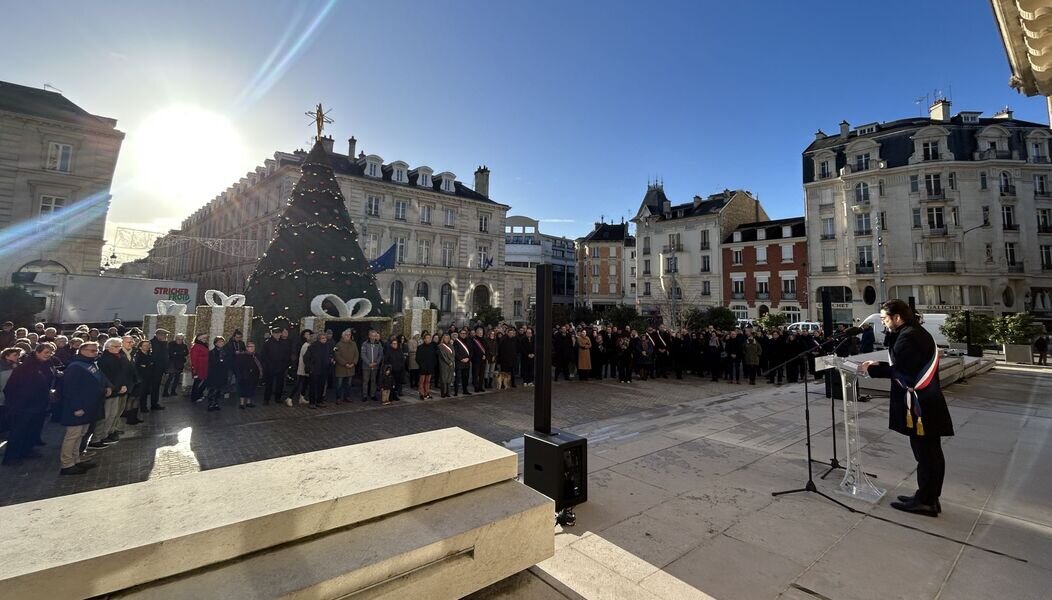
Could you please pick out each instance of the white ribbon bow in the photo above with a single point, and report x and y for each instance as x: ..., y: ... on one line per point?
x: 170, y: 307
x: 217, y: 298
x: 351, y: 309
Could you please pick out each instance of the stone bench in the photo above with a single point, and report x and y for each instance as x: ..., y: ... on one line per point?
x: 388, y: 511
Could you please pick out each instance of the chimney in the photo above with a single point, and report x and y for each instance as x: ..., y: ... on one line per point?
x: 482, y: 180
x: 844, y: 128
x: 351, y: 143
x: 820, y: 135
x: 326, y: 142
x: 1004, y: 113
x: 940, y: 110
x: 697, y: 200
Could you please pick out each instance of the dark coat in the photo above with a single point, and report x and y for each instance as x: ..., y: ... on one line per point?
x: 64, y: 355
x: 477, y: 346
x: 177, y: 354
x: 7, y: 339
x: 115, y: 368
x: 83, y: 388
x: 276, y: 354
x: 869, y: 339
x: 159, y: 352
x: 910, y: 350
x: 28, y: 390
x: 248, y: 370
x: 462, y: 350
x: 395, y: 358
x: 144, y: 372
x: 318, y: 359
x: 508, y: 353
x: 562, y: 347
x: 218, y: 368
x: 427, y: 358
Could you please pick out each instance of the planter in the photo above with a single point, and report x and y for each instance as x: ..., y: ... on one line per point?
x: 1019, y: 353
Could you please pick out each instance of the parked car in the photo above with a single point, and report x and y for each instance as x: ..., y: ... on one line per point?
x: 804, y: 326
x: 743, y: 323
x: 931, y: 323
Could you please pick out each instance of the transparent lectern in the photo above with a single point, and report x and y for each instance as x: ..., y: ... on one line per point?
x: 856, y: 484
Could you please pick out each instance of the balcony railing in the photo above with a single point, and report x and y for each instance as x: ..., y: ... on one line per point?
x: 704, y: 245
x: 672, y: 270
x: 941, y: 266
x: 706, y: 292
x: 706, y: 269
x: 646, y: 271
x: 738, y: 295
x: 1016, y: 267
x: 1044, y: 228
x: 646, y: 250
x: 1046, y: 193
x: 1010, y: 226
x: 935, y: 195
x: 1046, y: 266
x: 1008, y: 190
x: 937, y: 231
x: 829, y: 269
x: 788, y: 295
x: 828, y: 236
x: 672, y: 248
x: 864, y: 269
x: 866, y: 231
x: 763, y: 295
x: 1041, y: 160
x: 991, y: 154
x: 824, y: 174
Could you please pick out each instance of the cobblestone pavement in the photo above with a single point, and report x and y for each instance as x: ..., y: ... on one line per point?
x: 185, y: 438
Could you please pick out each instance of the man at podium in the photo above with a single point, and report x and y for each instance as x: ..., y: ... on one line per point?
x: 918, y: 408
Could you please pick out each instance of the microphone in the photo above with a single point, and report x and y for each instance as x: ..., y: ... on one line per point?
x: 849, y: 332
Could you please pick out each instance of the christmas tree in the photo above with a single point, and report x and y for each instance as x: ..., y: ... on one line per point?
x: 315, y: 251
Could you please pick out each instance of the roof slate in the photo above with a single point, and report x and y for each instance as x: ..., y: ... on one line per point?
x: 47, y: 105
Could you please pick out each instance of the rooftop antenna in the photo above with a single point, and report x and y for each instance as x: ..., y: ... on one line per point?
x: 48, y: 86
x: 921, y: 107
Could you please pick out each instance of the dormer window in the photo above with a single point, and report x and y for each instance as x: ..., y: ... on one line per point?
x: 867, y: 129
x: 862, y: 161
x: 823, y: 170
x: 787, y: 231
x: 374, y: 166
x: 423, y: 176
x: 931, y: 150
x: 761, y: 234
x: 970, y: 118
x: 737, y: 236
x: 399, y: 172
x: 446, y: 180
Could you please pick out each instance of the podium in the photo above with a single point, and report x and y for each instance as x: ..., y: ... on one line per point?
x: 855, y: 484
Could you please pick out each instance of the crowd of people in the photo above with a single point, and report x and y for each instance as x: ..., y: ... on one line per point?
x: 95, y: 382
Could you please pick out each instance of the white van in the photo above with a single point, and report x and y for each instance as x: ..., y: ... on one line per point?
x: 804, y: 326
x: 930, y: 322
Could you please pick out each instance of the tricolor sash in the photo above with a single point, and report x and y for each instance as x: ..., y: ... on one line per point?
x: 913, y: 406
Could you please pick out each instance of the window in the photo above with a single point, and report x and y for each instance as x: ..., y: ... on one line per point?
x: 612, y: 287
x: 425, y: 214
x: 49, y: 205
x: 1037, y: 150
x: 933, y: 184
x: 861, y: 192
x: 1044, y: 219
x: 448, y: 251
x: 483, y: 223
x: 738, y: 287
x: 986, y: 215
x: 1046, y: 257
x: 646, y: 245
x: 1006, y: 182
x: 372, y: 244
x: 740, y: 311
x: 59, y: 157
x: 883, y: 221
x: 706, y: 264
x: 447, y: 184
x: 671, y: 264
x: 982, y: 180
x: 445, y: 299
x: 880, y: 187
x: 737, y: 236
x: 761, y: 234
x: 646, y: 266
x: 451, y: 217
x: 789, y: 287
x: 633, y: 271
x: 823, y: 170
x: 1008, y: 215
x: 828, y: 229
x: 829, y: 257
x: 953, y: 180
x: 862, y: 224
x: 826, y: 197
x: 761, y: 255
x: 595, y: 270
x: 989, y: 253
x: 763, y: 287
x: 787, y: 253
x: 704, y: 239
x: 516, y: 310
x: 736, y: 257
x: 613, y: 269
x: 646, y: 288
x: 916, y: 218
x: 931, y: 150
x: 935, y: 218
x: 595, y: 288
x: 914, y: 184
x: 862, y: 162
x: 372, y: 206
x: 673, y: 242
x: 423, y: 290
x: 396, y: 295
x: 955, y: 217
x: 1040, y: 184
x: 706, y: 288
x: 423, y: 251
x: 483, y: 256
x: 1010, y: 255
x: 400, y: 250
x: 865, y: 256
x: 400, y: 208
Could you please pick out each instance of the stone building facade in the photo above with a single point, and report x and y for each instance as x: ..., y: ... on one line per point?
x: 601, y: 257
x: 765, y: 269
x: 525, y: 247
x: 954, y: 211
x: 449, y: 238
x: 678, y: 264
x: 56, y: 170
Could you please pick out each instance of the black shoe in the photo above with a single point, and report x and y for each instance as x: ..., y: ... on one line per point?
x: 912, y: 499
x: 97, y: 445
x: 87, y: 465
x: 916, y: 508
x: 135, y: 421
x: 74, y: 470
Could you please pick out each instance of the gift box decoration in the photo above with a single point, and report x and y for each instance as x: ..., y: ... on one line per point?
x: 222, y: 315
x: 418, y: 320
x: 171, y: 316
x: 345, y: 311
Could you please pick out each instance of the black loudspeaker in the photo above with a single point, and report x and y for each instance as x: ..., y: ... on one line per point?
x: 556, y: 465
x: 832, y: 378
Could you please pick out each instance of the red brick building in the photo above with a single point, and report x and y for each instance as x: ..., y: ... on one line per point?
x: 765, y: 269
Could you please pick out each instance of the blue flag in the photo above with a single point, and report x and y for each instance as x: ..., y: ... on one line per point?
x: 385, y: 262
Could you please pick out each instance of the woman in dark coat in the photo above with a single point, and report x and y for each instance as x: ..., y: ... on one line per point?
x: 26, y: 395
x: 527, y: 352
x: 427, y: 365
x: 644, y: 356
x: 144, y: 369
x: 249, y: 370
x: 218, y: 372
x: 917, y: 408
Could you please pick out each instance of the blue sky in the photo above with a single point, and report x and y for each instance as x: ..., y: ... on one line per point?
x: 573, y: 106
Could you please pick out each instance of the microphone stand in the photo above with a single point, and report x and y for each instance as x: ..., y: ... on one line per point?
x: 810, y: 485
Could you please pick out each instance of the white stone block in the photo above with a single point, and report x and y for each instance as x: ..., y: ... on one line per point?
x: 97, y: 542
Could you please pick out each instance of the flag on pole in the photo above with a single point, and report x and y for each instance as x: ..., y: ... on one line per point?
x: 385, y: 261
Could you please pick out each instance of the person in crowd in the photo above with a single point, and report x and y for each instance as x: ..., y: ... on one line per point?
x: 446, y: 365
x: 478, y: 359
x: 9, y: 359
x: 199, y: 366
x: 144, y: 378
x: 463, y: 362
x: 177, y: 353
x: 584, y: 355
x: 121, y: 329
x: 734, y: 357
x: 40, y: 328
x: 751, y: 353
x: 84, y: 387
x: 1041, y: 346
x: 33, y: 338
x: 396, y: 358
x: 249, y: 370
x: 387, y: 381
x: 218, y: 373
x: 345, y: 357
x: 427, y: 364
x: 527, y: 354
x: 562, y: 352
x: 645, y: 356
x: 302, y: 387
x: 235, y: 346
x: 7, y: 334
x: 625, y: 359
x: 26, y: 396
x: 662, y: 357
x: 275, y: 357
x: 372, y: 353
x: 775, y: 352
x: 868, y: 340
x: 317, y: 363
x: 412, y: 345
x: 159, y: 352
x: 917, y: 407
x: 117, y: 368
x: 848, y: 346
x: 507, y: 357
x: 63, y: 352
x: 491, y: 367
